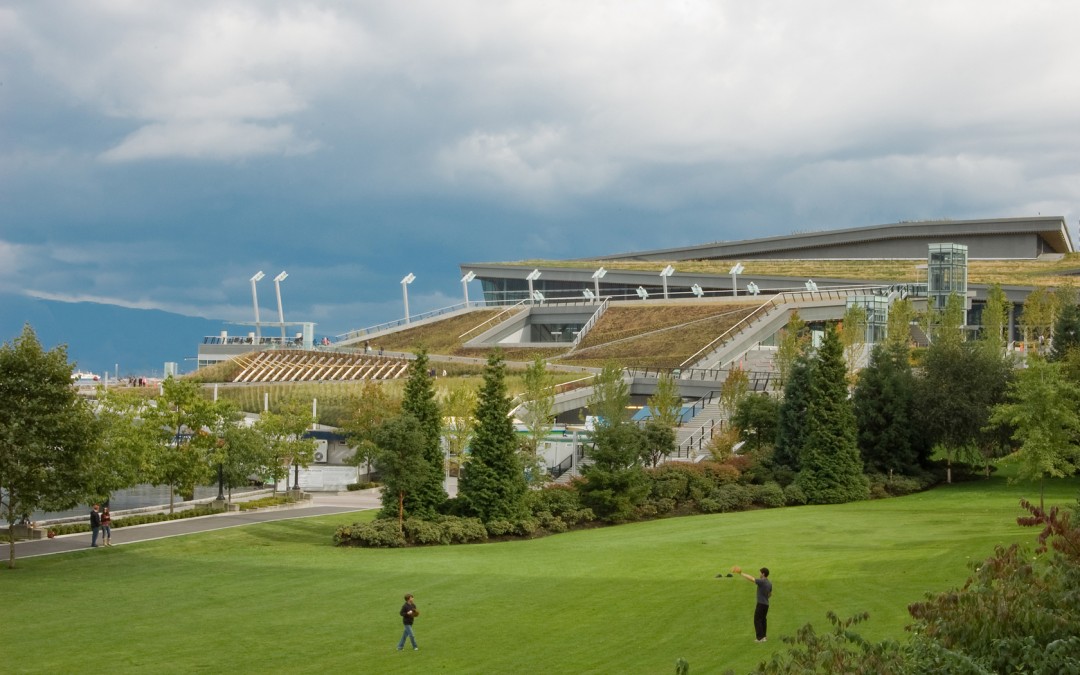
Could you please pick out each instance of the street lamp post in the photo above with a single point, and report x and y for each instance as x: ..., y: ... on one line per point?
x: 531, y: 277
x: 597, y: 276
x: 664, y: 274
x: 469, y: 276
x: 255, y: 301
x: 409, y: 278
x: 735, y: 271
x: 280, y: 314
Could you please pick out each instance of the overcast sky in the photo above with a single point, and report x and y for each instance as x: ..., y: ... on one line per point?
x: 158, y: 154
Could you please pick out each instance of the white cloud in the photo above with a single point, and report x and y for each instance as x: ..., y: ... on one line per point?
x: 208, y: 140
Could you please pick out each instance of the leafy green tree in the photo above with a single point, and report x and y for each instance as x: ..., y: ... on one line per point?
x: 1038, y: 316
x: 757, y: 418
x: 1042, y: 409
x: 459, y: 408
x: 853, y: 338
x: 401, y: 463
x: 960, y: 384
x: 898, y: 327
x: 791, y: 346
x: 665, y: 406
x: 734, y: 388
x: 884, y: 401
x: 995, y: 318
x: 830, y: 467
x: 48, y: 434
x: 492, y: 484
x: 419, y: 401
x: 615, y: 481
x: 240, y: 451
x: 611, y: 395
x: 126, y: 447
x: 537, y: 413
x: 791, y: 417
x: 283, y: 429
x: 947, y: 325
x: 366, y: 412
x: 176, y: 425
x: 658, y: 442
x: 666, y: 402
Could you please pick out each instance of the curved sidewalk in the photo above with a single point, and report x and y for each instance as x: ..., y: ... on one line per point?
x: 319, y: 505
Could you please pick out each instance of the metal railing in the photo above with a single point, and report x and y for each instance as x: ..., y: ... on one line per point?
x: 493, y: 319
x: 591, y: 323
x: 562, y: 467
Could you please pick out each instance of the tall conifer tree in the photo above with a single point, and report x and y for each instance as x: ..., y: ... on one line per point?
x: 427, y: 497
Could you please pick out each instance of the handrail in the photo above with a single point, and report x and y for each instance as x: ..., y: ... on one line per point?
x: 593, y: 320
x: 494, y: 318
x: 360, y: 332
x: 562, y: 467
x: 771, y: 302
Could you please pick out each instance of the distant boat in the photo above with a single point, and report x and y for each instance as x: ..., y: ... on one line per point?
x: 80, y: 378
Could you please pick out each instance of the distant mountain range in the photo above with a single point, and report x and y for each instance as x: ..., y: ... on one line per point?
x: 102, y: 337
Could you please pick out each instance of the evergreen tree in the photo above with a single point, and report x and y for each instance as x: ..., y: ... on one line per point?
x: 615, y: 482
x: 400, y: 460
x: 425, y: 499
x: 830, y: 468
x: 1066, y: 332
x: 492, y: 484
x: 791, y: 416
x: 884, y: 401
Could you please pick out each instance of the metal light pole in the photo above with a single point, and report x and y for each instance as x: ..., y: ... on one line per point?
x: 531, y: 277
x: 280, y: 314
x: 735, y: 271
x: 409, y: 278
x: 597, y: 276
x: 255, y: 301
x: 664, y: 274
x: 469, y: 276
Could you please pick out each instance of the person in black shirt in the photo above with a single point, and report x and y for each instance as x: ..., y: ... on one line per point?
x: 408, y: 613
x: 764, y: 592
x: 95, y: 525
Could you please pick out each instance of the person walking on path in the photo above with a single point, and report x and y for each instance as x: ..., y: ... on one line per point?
x: 95, y: 525
x: 408, y: 613
x: 764, y: 592
x: 106, y: 527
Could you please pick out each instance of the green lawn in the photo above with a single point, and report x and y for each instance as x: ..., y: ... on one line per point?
x: 280, y: 598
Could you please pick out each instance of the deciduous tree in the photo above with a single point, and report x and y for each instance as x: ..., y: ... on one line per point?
x: 48, y: 434
x: 537, y: 413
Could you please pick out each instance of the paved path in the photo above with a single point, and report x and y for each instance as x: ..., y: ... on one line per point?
x: 319, y: 505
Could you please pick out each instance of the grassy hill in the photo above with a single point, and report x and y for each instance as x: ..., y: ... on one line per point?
x: 628, y: 599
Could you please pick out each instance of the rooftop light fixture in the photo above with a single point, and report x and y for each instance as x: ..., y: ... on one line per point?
x: 408, y: 279
x: 696, y: 290
x: 752, y: 288
x: 280, y: 314
x: 538, y: 296
x: 811, y: 286
x: 531, y: 277
x: 589, y: 295
x: 597, y: 276
x: 735, y: 271
x: 642, y: 293
x: 664, y: 274
x: 255, y: 299
x: 469, y: 276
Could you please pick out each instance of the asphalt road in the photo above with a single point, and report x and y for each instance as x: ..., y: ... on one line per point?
x: 319, y: 505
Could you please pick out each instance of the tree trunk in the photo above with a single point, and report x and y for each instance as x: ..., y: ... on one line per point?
x: 11, y: 543
x: 172, y: 497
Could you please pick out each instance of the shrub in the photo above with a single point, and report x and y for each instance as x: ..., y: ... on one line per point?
x: 525, y: 527
x: 794, y: 496
x: 463, y: 530
x: 710, y: 505
x: 425, y: 532
x: 380, y: 533
x: 499, y: 527
x: 769, y: 495
x: 554, y: 499
x: 362, y: 485
x: 733, y: 497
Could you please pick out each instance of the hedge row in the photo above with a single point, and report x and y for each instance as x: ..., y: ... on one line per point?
x: 139, y: 519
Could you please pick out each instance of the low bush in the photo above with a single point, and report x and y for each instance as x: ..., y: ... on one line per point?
x: 137, y: 519
x: 362, y: 485
x: 733, y: 497
x: 424, y: 532
x: 794, y: 496
x: 463, y: 530
x: 379, y: 533
x: 769, y: 495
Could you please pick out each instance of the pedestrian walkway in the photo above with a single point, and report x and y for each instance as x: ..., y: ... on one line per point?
x: 321, y: 504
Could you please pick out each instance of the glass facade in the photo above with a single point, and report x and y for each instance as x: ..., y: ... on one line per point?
x: 946, y: 273
x: 877, y: 315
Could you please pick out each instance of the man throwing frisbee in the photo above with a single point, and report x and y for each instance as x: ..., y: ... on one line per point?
x: 764, y: 592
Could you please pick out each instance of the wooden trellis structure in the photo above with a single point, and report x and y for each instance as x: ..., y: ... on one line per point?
x: 318, y: 366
